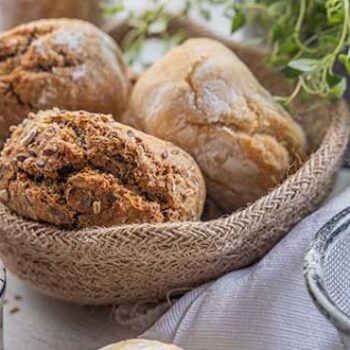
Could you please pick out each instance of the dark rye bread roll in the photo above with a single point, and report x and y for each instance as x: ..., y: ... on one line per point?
x: 78, y: 169
x: 62, y: 63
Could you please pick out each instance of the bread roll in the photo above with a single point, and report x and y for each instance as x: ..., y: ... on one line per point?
x: 201, y: 97
x: 15, y: 12
x: 141, y: 344
x: 62, y: 63
x: 78, y: 169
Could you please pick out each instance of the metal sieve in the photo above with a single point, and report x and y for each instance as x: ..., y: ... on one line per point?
x: 327, y: 272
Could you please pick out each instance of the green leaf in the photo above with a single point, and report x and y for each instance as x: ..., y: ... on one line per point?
x: 238, y: 21
x: 217, y: 2
x: 337, y: 90
x: 335, y: 11
x: 113, y: 9
x: 187, y: 7
x: 345, y: 60
x: 328, y: 40
x: 252, y: 42
x: 158, y: 26
x: 205, y: 13
x: 178, y: 37
x: 304, y: 64
x: 290, y: 72
x: 276, y: 8
x: 289, y: 46
x: 276, y: 32
x: 304, y: 96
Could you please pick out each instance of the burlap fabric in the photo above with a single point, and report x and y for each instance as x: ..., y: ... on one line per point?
x: 145, y: 262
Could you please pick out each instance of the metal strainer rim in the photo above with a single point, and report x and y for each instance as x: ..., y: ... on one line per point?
x: 313, y: 270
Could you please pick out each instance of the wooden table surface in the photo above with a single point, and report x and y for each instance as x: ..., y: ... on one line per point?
x: 33, y: 321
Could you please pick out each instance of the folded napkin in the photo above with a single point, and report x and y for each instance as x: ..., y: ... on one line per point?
x: 263, y: 307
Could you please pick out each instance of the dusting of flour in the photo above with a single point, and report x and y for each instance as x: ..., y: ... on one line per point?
x: 71, y: 39
x: 79, y: 72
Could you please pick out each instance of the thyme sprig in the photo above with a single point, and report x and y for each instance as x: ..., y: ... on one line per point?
x: 307, y: 37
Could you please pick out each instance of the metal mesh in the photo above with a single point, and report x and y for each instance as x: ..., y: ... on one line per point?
x: 336, y: 270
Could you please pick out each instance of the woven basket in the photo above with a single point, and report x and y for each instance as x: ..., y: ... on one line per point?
x: 143, y: 262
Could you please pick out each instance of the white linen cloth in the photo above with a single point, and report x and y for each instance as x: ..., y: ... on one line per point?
x: 263, y: 307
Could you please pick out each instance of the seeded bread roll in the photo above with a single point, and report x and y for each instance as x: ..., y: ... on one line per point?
x: 62, y: 63
x: 140, y: 344
x: 78, y: 169
x: 201, y: 97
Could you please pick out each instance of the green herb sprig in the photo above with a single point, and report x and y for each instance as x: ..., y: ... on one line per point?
x: 307, y: 37
x: 154, y: 21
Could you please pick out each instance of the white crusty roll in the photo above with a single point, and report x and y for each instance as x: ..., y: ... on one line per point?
x: 203, y: 98
x: 140, y: 344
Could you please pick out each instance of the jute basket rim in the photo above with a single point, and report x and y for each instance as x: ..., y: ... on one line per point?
x: 176, y: 229
x: 118, y: 31
x: 128, y: 263
x: 135, y: 228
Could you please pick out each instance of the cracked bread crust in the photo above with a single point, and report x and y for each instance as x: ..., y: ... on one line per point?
x: 78, y: 169
x: 201, y: 97
x: 62, y: 63
x: 140, y: 344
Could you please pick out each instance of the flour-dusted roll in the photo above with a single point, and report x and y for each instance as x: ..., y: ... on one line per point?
x: 78, y: 169
x: 141, y: 344
x: 63, y: 63
x: 201, y: 97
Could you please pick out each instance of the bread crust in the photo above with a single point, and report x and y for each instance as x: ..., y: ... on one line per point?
x: 78, y: 169
x: 201, y: 97
x: 63, y: 63
x: 141, y: 344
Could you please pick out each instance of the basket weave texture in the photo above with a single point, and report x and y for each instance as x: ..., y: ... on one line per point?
x: 144, y: 262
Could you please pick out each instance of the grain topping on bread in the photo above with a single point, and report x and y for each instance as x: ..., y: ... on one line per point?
x: 63, y: 63
x: 78, y: 169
